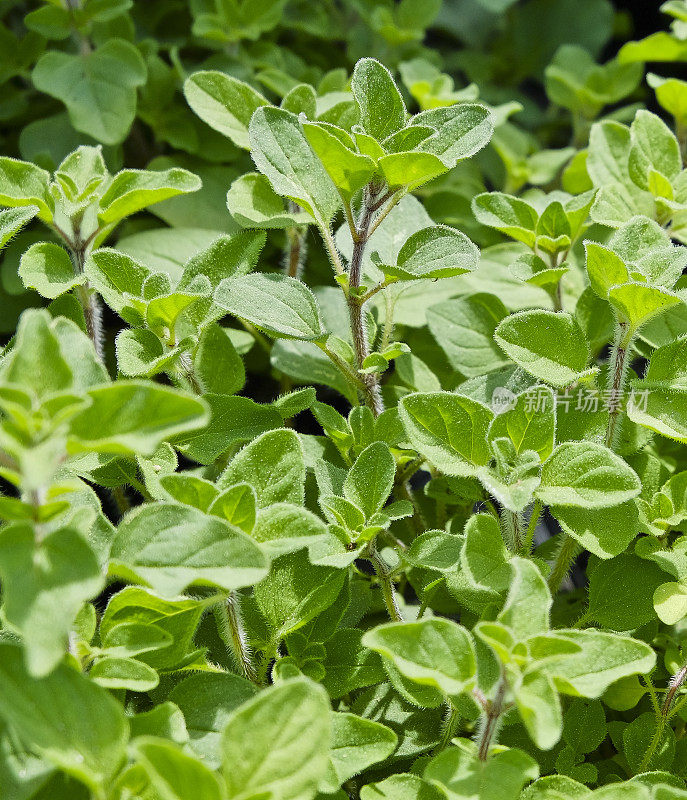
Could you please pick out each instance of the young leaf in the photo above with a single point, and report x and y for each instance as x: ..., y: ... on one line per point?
x: 371, y: 479
x: 23, y: 184
x: 130, y: 417
x: 382, y: 110
x: 282, y: 153
x: 176, y: 775
x: 47, y: 268
x: 273, y: 465
x: 510, y: 215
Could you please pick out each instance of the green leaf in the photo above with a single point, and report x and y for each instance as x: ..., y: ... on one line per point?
x: 448, y: 429
x: 402, y: 786
x: 47, y: 268
x: 233, y: 420
x: 586, y: 475
x: 178, y: 618
x: 295, y: 591
x: 273, y: 465
x: 357, y: 743
x: 371, y: 479
x: 132, y: 190
x: 635, y: 303
x: 98, y: 88
x: 71, y: 722
x: 277, y: 304
x: 510, y: 215
x: 278, y: 743
x: 549, y: 345
x: 140, y: 353
x: 282, y: 153
x: 207, y: 699
x: 621, y: 592
x: 176, y: 775
x: 606, y: 532
x: 12, y: 220
x: 484, y: 558
x: 539, y: 708
x: 605, y: 268
x: 529, y: 425
x: 603, y: 658
x: 134, y: 418
x: 410, y: 170
x: 282, y: 528
x: 253, y: 203
x: 224, y: 102
x: 36, y: 362
x: 45, y: 583
x: 527, y: 606
x: 236, y: 505
x: 464, y: 329
x: 382, y: 110
x: 114, y: 672
x: 460, y: 774
x: 657, y: 401
x: 436, y: 252
x: 216, y: 364
x: 169, y: 547
x: 348, y: 169
x: 461, y: 131
x: 431, y: 652
x: 23, y: 184
x: 654, y: 147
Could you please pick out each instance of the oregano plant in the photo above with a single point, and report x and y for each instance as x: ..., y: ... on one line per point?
x: 343, y: 401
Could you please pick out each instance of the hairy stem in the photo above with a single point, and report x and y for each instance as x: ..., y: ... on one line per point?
x: 356, y: 311
x: 384, y: 577
x: 675, y: 683
x: 88, y: 297
x: 449, y: 727
x: 491, y: 720
x: 230, y: 628
x: 567, y: 553
x: 296, y: 247
x: 616, y: 384
x: 532, y: 527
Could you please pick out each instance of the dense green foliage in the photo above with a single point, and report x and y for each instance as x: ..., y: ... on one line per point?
x: 343, y: 401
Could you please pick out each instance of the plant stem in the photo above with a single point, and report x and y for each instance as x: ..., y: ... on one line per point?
x: 88, y: 297
x: 564, y: 560
x: 675, y: 683
x: 296, y: 248
x: 371, y: 393
x: 616, y: 383
x: 449, y: 727
x: 532, y: 527
x: 230, y: 628
x: 384, y: 577
x: 489, y: 728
